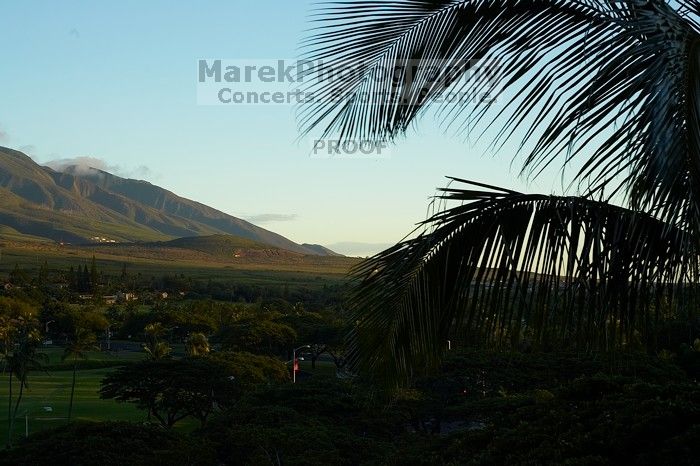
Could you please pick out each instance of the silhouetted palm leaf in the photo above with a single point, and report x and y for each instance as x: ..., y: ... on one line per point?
x: 505, y: 268
x: 614, y: 84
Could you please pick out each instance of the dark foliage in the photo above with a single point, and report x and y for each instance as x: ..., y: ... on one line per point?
x: 107, y: 444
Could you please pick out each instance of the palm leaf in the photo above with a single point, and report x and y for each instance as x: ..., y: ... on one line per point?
x: 504, y: 268
x: 615, y: 84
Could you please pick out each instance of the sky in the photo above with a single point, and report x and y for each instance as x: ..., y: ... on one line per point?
x: 117, y: 82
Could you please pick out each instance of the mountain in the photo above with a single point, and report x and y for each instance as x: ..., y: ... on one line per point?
x: 75, y: 206
x: 321, y: 250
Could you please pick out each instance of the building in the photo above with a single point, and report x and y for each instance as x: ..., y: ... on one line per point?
x: 126, y: 297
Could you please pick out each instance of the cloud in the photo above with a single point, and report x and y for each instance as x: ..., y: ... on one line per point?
x: 85, y: 166
x: 81, y: 165
x: 269, y: 218
x: 4, y: 137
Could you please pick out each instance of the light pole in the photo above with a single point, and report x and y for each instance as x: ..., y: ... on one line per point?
x: 294, y: 362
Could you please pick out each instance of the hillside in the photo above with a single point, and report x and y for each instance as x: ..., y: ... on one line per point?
x: 69, y: 207
x: 217, y: 249
x: 321, y: 250
x: 216, y: 257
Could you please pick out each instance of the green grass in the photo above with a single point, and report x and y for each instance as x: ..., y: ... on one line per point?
x: 94, y: 360
x: 53, y: 390
x: 312, y: 272
x: 55, y: 355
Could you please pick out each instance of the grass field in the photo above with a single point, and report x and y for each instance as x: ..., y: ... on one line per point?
x: 309, y: 271
x: 33, y: 254
x: 52, y: 390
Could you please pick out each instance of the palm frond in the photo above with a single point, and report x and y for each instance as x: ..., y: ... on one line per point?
x: 377, y: 44
x: 615, y: 84
x: 504, y: 268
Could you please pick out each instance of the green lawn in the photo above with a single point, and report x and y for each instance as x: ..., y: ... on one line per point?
x: 56, y: 353
x: 53, y: 390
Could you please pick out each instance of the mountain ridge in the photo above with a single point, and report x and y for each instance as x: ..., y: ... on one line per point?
x: 68, y: 206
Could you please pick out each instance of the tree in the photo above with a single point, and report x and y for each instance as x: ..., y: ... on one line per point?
x: 324, y: 332
x: 81, y: 342
x: 108, y: 444
x: 21, y: 360
x: 43, y: 274
x: 250, y: 370
x: 258, y: 334
x: 73, y: 279
x: 83, y: 279
x: 12, y: 312
x: 610, y: 86
x: 171, y: 390
x: 197, y: 345
x: 150, y: 385
x: 19, y: 341
x: 18, y: 277
x: 93, y: 274
x: 154, y: 346
x: 322, y: 421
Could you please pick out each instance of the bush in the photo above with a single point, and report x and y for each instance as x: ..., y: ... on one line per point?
x: 320, y: 421
x: 593, y: 420
x: 107, y: 444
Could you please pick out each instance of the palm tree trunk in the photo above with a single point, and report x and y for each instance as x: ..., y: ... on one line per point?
x: 72, y: 391
x: 9, y: 414
x: 14, y: 414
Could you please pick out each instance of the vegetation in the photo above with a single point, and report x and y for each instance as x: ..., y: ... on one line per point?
x: 482, y: 408
x: 586, y: 302
x: 83, y: 341
x: 608, y: 86
x: 21, y: 342
x: 106, y: 444
x: 171, y: 390
x: 241, y: 408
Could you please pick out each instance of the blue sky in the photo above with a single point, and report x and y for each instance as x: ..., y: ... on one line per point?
x: 117, y: 81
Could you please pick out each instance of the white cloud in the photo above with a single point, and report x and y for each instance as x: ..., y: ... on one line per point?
x: 83, y: 166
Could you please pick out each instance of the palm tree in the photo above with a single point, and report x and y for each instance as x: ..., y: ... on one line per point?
x: 24, y: 358
x: 82, y: 342
x: 610, y: 86
x: 154, y: 347
x: 197, y: 344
